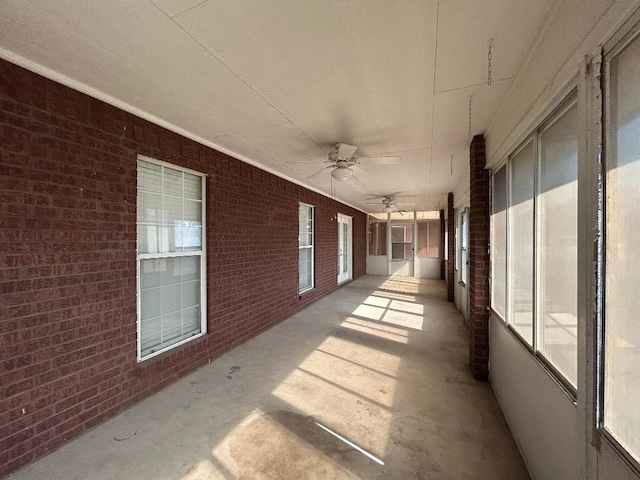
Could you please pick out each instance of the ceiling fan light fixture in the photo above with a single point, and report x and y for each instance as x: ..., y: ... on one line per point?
x: 341, y: 173
x: 389, y: 209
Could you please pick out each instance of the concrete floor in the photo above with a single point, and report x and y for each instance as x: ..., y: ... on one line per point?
x: 381, y: 363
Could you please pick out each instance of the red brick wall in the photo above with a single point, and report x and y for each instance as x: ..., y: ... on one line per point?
x: 68, y: 260
x: 479, y: 260
x: 451, y: 247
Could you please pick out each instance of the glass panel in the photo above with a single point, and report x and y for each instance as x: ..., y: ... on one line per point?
x: 499, y: 242
x: 558, y: 245
x: 377, y: 238
x: 170, y: 312
x: 149, y: 208
x: 190, y: 293
x: 148, y: 238
x: 304, y: 264
x: 464, y: 247
x: 172, y: 182
x: 149, y: 177
x: 191, y: 321
x: 421, y: 248
x: 192, y: 186
x: 305, y: 233
x: 433, y: 243
x: 150, y: 333
x: 150, y: 302
x: 521, y: 243
x: 345, y: 248
x: 622, y: 279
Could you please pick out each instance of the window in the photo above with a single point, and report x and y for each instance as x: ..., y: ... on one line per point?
x: 622, y: 262
x: 521, y: 242
x: 429, y: 239
x: 540, y: 232
x: 464, y: 246
x: 171, y: 259
x: 305, y: 248
x: 377, y: 234
x: 499, y: 242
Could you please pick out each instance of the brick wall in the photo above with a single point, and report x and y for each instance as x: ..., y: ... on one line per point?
x: 479, y: 260
x: 68, y: 260
x: 451, y: 262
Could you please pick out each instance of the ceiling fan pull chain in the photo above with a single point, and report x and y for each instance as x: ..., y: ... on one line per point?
x: 470, y: 100
x: 489, y: 62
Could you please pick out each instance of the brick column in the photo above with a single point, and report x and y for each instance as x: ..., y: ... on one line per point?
x: 451, y: 262
x: 479, y: 260
x: 442, y: 265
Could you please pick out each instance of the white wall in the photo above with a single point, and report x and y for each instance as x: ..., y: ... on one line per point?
x: 427, y: 267
x: 377, y: 265
x: 543, y: 419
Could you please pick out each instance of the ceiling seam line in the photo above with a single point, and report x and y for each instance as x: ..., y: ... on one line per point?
x: 252, y: 130
x: 210, y: 53
x: 433, y: 91
x: 473, y: 85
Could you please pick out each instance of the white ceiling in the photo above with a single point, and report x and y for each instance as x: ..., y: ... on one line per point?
x: 274, y: 82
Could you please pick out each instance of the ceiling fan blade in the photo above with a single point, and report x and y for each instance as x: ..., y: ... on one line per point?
x: 382, y: 160
x: 310, y: 161
x: 318, y: 172
x: 362, y: 170
x: 361, y: 182
x: 346, y: 151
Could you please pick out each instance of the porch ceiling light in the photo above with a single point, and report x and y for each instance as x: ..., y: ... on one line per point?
x: 341, y: 173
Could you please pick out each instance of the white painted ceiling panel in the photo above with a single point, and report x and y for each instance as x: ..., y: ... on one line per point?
x: 358, y: 72
x: 276, y: 82
x: 133, y: 52
x: 465, y: 28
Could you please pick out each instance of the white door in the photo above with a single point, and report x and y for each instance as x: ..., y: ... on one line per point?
x: 344, y: 248
x: 401, y: 261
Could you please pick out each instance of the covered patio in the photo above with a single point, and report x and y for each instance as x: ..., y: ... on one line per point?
x: 371, y: 381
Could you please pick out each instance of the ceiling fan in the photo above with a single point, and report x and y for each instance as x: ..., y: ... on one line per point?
x: 342, y: 159
x: 389, y: 204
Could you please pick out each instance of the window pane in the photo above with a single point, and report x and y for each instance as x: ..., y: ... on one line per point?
x: 622, y: 280
x: 558, y: 245
x: 305, y: 277
x: 170, y: 312
x: 521, y: 243
x: 421, y: 250
x: 464, y: 247
x: 377, y: 238
x: 499, y: 242
x: 433, y: 244
x: 192, y: 186
x: 305, y: 247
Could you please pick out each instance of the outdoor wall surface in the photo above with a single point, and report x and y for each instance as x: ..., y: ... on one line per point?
x: 68, y: 260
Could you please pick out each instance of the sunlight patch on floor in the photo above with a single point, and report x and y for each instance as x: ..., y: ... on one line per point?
x: 379, y: 326
x: 368, y: 311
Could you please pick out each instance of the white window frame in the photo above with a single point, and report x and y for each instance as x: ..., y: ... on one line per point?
x: 464, y: 247
x: 312, y: 210
x: 160, y: 255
